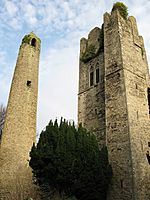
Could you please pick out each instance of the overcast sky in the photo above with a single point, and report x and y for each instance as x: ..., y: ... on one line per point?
x: 60, y: 24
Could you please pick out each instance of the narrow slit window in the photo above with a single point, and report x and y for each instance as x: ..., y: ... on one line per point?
x: 97, y: 75
x: 148, y: 96
x: 91, y: 78
x: 33, y: 42
x: 148, y: 157
x: 28, y: 83
x: 96, y: 112
x: 121, y: 183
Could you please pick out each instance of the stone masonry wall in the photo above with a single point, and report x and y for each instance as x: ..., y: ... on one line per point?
x: 20, y: 125
x: 118, y: 107
x: 136, y: 83
x: 117, y: 124
x: 91, y: 112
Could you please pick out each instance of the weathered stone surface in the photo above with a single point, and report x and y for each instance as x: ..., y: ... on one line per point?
x: 91, y: 99
x: 121, y: 101
x: 19, y: 131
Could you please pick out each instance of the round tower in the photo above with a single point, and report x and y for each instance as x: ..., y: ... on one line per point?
x: 19, y: 131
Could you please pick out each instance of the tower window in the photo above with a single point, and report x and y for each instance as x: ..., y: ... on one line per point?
x: 121, y: 183
x: 91, y: 78
x: 33, y: 42
x: 136, y: 86
x: 28, y: 83
x: 97, y: 75
x: 96, y: 112
x: 148, y: 144
x: 148, y: 157
x: 148, y: 96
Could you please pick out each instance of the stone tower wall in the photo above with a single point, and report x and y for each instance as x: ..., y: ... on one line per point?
x: 136, y: 82
x: 117, y: 124
x: 127, y: 113
x: 91, y: 112
x: 20, y: 124
x: 121, y: 98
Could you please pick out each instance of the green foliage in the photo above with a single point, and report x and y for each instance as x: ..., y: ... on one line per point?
x: 88, y: 54
x: 26, y: 39
x: 69, y: 161
x: 123, y: 9
x: 91, y: 52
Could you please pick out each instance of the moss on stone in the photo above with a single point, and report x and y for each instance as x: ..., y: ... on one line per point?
x: 91, y: 52
x: 26, y: 39
x: 122, y: 8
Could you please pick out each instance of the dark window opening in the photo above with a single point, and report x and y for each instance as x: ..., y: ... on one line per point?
x: 28, y: 83
x: 136, y: 86
x: 96, y: 112
x: 33, y: 42
x: 148, y: 157
x: 91, y: 78
x: 121, y: 183
x: 148, y: 144
x: 97, y: 75
x: 141, y: 146
x: 148, y: 96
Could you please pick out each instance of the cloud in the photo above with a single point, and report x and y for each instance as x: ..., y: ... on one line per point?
x: 59, y: 74
x: 29, y: 14
x: 11, y: 8
x: 60, y: 24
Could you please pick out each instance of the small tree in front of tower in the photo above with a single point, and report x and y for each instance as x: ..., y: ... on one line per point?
x: 68, y: 163
x: 122, y: 8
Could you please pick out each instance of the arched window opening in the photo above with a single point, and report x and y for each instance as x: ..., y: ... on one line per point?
x: 91, y: 78
x: 97, y: 75
x: 33, y: 42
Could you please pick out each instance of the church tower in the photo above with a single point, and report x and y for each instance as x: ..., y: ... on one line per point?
x: 19, y: 131
x: 114, y: 102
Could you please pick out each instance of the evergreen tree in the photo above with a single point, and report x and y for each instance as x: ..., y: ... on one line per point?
x: 69, y: 161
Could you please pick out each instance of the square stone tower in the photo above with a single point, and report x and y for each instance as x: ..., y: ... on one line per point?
x: 19, y: 131
x: 114, y: 102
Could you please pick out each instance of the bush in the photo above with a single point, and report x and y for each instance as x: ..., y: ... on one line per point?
x: 123, y: 9
x: 68, y: 161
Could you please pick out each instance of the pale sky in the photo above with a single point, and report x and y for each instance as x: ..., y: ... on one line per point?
x: 60, y: 24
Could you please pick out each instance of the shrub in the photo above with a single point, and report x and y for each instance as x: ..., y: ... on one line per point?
x: 68, y: 161
x: 123, y: 9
